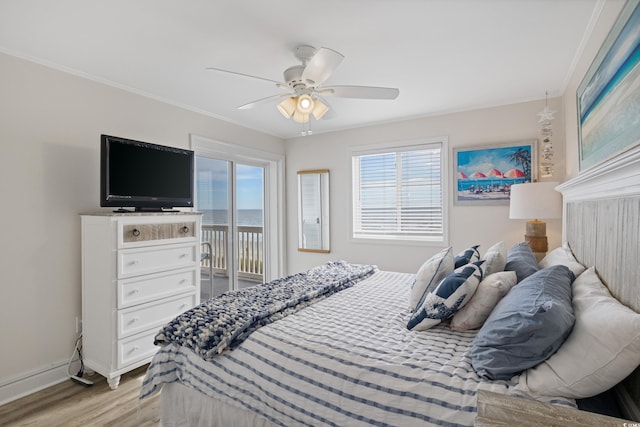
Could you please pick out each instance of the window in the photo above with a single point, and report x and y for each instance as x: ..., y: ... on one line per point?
x: 398, y: 191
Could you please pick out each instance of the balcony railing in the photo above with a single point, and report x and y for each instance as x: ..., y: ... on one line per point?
x: 215, y: 239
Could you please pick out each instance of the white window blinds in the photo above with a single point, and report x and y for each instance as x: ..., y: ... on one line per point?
x: 397, y: 193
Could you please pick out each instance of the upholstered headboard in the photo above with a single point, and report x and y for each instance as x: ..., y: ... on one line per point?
x: 602, y: 226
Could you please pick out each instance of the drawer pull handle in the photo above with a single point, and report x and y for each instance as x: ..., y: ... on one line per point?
x: 134, y: 291
x: 135, y: 319
x: 135, y: 232
x: 134, y: 349
x: 183, y: 306
x: 183, y: 255
x: 185, y: 229
x: 183, y: 281
x: 134, y: 262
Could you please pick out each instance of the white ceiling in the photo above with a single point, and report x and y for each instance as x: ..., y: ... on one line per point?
x: 443, y: 55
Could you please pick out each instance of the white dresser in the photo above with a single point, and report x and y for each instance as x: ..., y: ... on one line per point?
x: 139, y: 270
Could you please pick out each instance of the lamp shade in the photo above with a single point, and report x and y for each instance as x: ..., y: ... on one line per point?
x: 537, y: 200
x: 319, y: 109
x: 287, y: 107
x: 300, y: 117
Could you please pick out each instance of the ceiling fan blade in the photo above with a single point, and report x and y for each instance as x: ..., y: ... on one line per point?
x: 364, y: 92
x: 220, y: 70
x: 262, y: 101
x: 321, y: 66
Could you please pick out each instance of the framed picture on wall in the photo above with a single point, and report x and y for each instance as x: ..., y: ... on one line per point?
x: 484, y: 174
x: 609, y: 95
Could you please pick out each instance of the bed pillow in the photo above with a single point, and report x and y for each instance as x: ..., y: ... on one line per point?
x: 491, y: 290
x: 562, y: 256
x: 430, y: 274
x: 602, y: 349
x: 520, y: 258
x: 494, y: 259
x: 527, y: 326
x: 467, y: 256
x: 451, y: 294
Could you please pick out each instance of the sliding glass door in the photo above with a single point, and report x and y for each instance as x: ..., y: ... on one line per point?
x: 230, y: 195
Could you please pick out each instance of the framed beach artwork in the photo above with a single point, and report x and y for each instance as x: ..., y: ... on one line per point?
x: 484, y: 175
x: 609, y: 95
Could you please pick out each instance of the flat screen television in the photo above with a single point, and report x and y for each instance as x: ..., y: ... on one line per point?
x: 144, y: 176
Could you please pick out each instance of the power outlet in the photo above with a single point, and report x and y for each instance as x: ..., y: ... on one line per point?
x: 78, y: 325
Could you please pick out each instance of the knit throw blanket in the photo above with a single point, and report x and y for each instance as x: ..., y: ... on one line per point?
x: 223, y: 322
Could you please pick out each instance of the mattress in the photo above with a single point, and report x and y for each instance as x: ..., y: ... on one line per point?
x: 345, y: 360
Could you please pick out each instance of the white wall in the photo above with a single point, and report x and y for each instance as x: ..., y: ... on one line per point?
x: 468, y: 225
x: 50, y: 125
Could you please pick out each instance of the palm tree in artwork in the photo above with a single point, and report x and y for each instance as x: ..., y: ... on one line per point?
x: 522, y: 157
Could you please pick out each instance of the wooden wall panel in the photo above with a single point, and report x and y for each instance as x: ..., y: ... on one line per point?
x: 606, y: 234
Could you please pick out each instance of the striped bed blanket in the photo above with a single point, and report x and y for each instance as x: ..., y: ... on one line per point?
x: 347, y: 360
x: 224, y: 322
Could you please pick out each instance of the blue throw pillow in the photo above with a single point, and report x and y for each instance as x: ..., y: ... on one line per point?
x: 520, y: 258
x: 467, y: 256
x: 451, y: 294
x: 527, y: 326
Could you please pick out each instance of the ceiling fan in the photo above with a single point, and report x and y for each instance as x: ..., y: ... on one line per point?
x: 305, y: 96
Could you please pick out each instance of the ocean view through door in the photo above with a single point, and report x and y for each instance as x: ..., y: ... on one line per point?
x: 231, y: 197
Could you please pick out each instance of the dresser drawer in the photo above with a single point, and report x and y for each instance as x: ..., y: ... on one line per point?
x: 152, y: 315
x: 151, y: 287
x: 132, y: 262
x: 136, y: 348
x: 154, y: 232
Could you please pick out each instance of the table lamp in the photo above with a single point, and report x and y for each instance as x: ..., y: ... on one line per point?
x: 535, y: 201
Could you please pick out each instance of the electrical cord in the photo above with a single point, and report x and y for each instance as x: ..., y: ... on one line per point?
x: 77, y: 377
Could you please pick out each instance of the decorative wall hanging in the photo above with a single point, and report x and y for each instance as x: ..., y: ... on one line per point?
x: 546, y: 133
x: 609, y: 95
x: 484, y: 175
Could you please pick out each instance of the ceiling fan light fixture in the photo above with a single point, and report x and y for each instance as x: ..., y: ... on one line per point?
x: 300, y: 117
x: 319, y: 110
x: 287, y: 107
x: 305, y: 104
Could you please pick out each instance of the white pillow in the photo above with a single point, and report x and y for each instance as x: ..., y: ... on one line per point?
x: 489, y: 292
x: 495, y: 258
x: 430, y: 274
x: 602, y: 349
x: 562, y: 256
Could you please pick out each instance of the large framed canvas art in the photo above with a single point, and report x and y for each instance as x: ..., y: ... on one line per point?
x: 609, y: 95
x: 484, y: 175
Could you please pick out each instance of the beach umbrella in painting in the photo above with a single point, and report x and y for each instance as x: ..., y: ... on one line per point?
x: 478, y: 175
x: 462, y: 175
x: 514, y: 173
x: 495, y: 173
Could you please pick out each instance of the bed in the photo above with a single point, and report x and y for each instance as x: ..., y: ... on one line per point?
x: 336, y: 362
x: 348, y: 358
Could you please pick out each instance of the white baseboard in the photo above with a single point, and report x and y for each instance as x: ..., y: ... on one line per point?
x: 25, y: 384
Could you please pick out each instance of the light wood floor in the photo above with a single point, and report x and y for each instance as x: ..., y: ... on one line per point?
x: 71, y: 404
